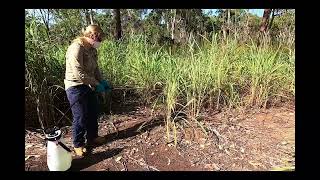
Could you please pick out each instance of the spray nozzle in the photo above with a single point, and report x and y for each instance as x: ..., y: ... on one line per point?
x: 52, y: 132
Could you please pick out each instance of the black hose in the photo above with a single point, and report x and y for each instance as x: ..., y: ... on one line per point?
x: 112, y: 88
x: 72, y: 105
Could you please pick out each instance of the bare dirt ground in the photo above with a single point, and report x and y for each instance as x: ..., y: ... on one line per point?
x: 248, y: 140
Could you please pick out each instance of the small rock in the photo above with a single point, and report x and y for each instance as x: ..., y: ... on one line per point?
x: 118, y: 159
x: 36, y: 156
x: 208, y: 166
x: 202, y: 140
x: 26, y: 158
x: 152, y: 154
x: 169, y: 161
x: 284, y: 142
x: 28, y: 146
x: 242, y: 150
x: 141, y: 161
x: 133, y: 150
x: 212, y: 167
x: 201, y: 145
x: 215, y: 166
x: 227, y: 152
x: 131, y: 153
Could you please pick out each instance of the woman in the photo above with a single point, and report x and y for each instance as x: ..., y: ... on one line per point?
x: 83, y: 81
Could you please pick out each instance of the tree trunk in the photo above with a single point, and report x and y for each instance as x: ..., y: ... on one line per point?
x: 224, y: 31
x: 45, y: 22
x: 173, y: 23
x: 118, y: 23
x: 87, y: 15
x: 48, y: 18
x: 225, y: 24
x: 70, y: 27
x: 265, y: 20
x: 272, y: 17
x: 247, y: 28
x: 229, y: 19
x: 47, y: 25
x: 91, y: 17
x: 166, y: 16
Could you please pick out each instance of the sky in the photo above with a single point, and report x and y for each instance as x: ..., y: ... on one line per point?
x: 258, y: 12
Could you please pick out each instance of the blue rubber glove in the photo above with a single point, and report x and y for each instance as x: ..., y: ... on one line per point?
x: 100, y: 88
x: 106, y: 85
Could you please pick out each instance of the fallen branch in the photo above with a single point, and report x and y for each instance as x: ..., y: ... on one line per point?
x: 70, y: 121
x: 215, y: 132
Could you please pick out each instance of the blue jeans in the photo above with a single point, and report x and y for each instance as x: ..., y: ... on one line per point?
x: 85, y: 114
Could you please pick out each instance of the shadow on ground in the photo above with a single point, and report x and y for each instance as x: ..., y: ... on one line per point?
x: 134, y: 130
x: 92, y: 159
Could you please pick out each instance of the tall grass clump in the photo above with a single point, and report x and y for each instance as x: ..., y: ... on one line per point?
x: 171, y: 92
x: 266, y: 71
x: 44, y: 74
x: 214, y: 73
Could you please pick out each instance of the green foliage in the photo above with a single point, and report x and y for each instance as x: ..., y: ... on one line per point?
x: 207, y: 71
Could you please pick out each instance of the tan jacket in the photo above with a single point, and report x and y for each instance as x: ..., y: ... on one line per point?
x: 81, y: 66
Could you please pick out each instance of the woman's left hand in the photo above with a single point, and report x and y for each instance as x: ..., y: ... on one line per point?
x: 106, y: 85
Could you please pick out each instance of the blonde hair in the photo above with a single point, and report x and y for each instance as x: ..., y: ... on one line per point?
x: 92, y: 31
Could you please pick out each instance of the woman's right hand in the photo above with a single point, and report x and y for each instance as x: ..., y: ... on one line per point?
x: 100, y: 88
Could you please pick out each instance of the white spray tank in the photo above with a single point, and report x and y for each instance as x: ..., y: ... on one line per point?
x: 59, y: 156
